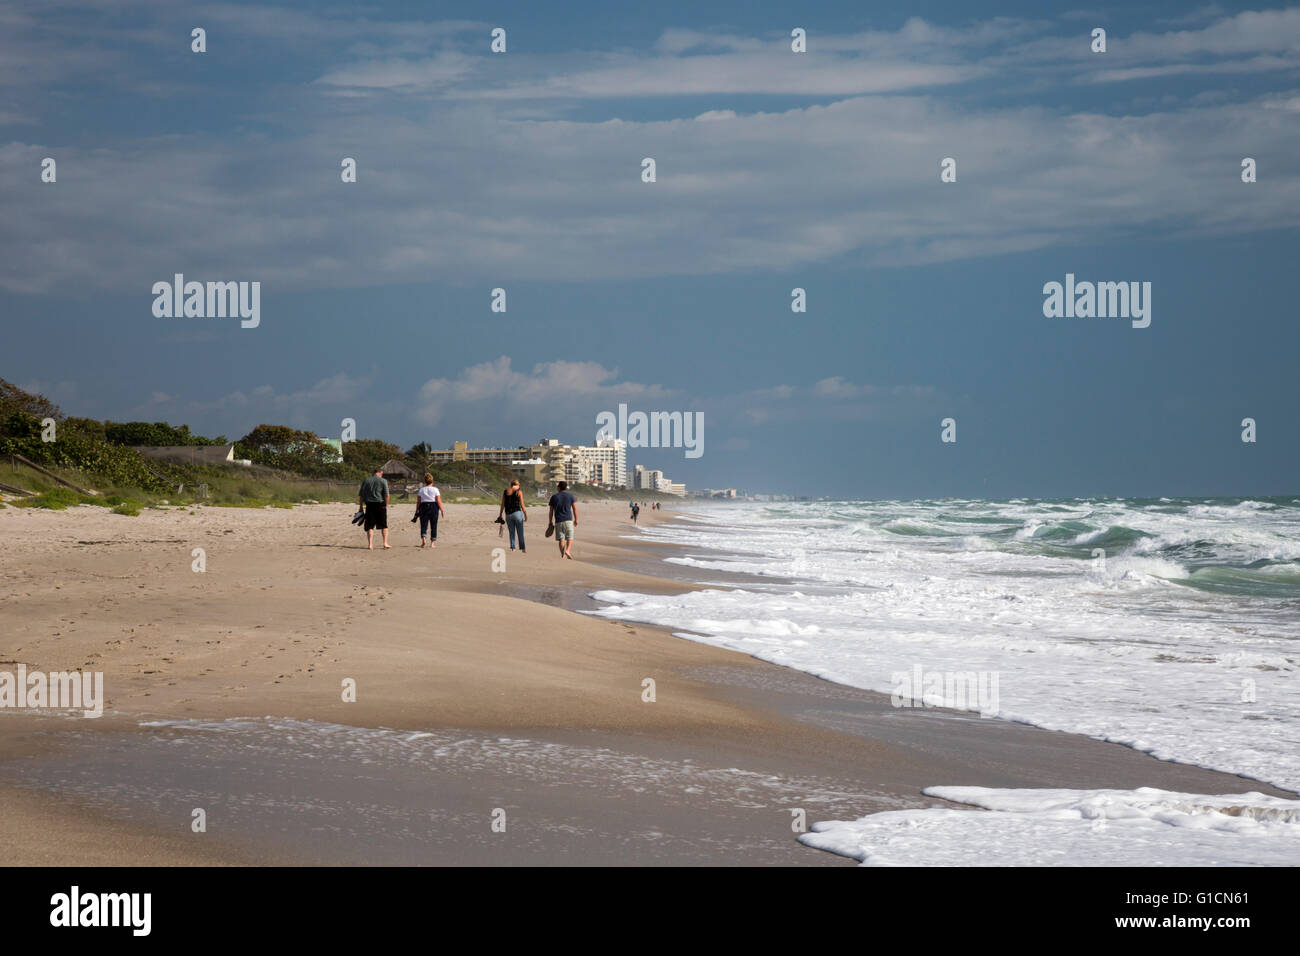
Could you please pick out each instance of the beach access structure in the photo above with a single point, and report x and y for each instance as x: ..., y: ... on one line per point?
x: 190, y: 454
x: 48, y: 474
x: 399, y: 474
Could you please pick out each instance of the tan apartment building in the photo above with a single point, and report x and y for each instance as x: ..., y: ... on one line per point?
x: 605, y: 463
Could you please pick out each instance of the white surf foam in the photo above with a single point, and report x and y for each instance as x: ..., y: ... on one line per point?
x: 1143, y: 827
x: 1120, y: 649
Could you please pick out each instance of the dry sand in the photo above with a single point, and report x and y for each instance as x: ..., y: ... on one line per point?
x: 528, y: 706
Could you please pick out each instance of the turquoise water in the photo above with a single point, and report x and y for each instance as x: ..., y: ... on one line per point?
x: 1171, y: 625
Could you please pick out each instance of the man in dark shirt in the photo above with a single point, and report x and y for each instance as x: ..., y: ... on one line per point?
x: 564, y: 515
x: 374, y: 500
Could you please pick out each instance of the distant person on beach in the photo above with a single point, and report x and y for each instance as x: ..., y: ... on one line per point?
x: 512, y: 507
x: 428, y: 506
x: 564, y: 517
x: 374, y: 500
x: 636, y: 510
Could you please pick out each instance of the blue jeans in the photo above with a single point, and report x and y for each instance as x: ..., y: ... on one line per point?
x: 515, y: 522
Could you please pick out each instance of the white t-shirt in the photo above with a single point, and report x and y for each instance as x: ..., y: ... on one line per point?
x: 428, y: 493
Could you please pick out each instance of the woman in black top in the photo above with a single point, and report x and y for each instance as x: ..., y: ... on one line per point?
x: 512, y: 506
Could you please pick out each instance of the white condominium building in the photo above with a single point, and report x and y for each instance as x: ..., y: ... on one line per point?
x: 607, y: 461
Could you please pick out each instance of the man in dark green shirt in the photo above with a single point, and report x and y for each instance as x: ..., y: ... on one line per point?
x: 374, y: 501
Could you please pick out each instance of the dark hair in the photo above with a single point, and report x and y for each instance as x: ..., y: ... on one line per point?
x: 562, y: 486
x: 378, y: 470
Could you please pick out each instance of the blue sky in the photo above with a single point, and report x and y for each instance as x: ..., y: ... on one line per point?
x: 775, y: 170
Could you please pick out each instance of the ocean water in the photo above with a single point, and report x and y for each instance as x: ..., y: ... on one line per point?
x: 1168, y: 625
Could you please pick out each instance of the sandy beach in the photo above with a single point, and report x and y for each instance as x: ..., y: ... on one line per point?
x: 482, y: 694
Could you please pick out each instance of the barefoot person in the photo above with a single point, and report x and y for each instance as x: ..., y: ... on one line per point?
x: 374, y: 499
x: 512, y: 507
x: 564, y: 516
x: 428, y: 506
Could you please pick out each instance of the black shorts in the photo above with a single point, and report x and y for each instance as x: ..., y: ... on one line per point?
x: 376, y: 515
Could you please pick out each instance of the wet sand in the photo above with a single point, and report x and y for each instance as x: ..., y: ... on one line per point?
x: 482, y: 697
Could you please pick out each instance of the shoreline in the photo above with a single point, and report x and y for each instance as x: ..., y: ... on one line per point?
x: 442, y: 645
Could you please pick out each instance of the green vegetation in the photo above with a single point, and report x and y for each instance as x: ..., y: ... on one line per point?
x: 110, y: 464
x: 146, y: 433
x: 366, y: 454
x: 289, y: 466
x: 55, y: 499
x: 292, y: 450
x: 13, y: 400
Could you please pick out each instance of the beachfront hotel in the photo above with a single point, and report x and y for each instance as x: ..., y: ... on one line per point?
x: 649, y: 479
x: 604, y: 463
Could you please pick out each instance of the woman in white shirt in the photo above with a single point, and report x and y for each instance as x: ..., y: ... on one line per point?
x: 427, y: 508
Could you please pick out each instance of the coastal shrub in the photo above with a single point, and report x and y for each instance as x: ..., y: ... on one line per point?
x: 155, y: 433
x: 111, y: 464
x: 129, y: 507
x: 20, y: 425
x: 14, y: 399
x: 366, y: 453
x: 81, y: 428
x: 295, y: 451
x: 56, y: 499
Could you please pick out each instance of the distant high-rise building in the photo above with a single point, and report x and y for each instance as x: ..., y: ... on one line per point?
x: 648, y: 479
x: 605, y: 463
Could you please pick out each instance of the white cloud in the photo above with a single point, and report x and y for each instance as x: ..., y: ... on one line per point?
x: 242, y: 409
x: 837, y: 387
x: 451, y: 189
x: 60, y: 393
x: 440, y: 71
x: 562, y: 388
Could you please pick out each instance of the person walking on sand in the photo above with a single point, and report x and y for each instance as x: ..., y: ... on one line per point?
x: 564, y: 518
x: 428, y: 505
x: 374, y: 500
x: 636, y: 511
x: 512, y: 507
